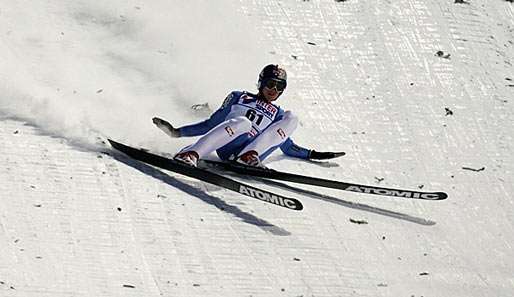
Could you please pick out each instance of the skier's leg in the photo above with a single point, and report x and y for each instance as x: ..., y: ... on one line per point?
x: 273, y: 136
x: 217, y: 137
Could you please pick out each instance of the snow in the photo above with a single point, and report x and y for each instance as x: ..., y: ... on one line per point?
x: 77, y: 219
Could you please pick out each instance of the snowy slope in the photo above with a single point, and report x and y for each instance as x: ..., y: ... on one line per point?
x: 418, y: 93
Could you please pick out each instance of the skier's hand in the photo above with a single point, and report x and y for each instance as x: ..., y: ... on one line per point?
x: 166, y: 127
x: 325, y: 155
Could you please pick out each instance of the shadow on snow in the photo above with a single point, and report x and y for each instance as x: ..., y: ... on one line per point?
x: 205, y: 197
x: 349, y: 204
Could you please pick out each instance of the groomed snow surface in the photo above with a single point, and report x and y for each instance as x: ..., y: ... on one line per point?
x: 420, y: 94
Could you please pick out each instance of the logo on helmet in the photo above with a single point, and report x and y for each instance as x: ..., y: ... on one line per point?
x: 280, y: 73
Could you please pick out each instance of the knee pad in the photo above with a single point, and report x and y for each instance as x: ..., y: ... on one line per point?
x: 290, y: 121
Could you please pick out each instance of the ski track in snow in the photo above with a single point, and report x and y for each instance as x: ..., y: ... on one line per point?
x: 78, y: 219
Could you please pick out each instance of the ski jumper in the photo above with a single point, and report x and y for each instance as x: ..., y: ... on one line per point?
x: 244, y: 123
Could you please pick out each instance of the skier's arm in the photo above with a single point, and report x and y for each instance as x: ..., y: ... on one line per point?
x: 293, y: 150
x: 204, y: 126
x: 215, y: 119
x: 189, y: 130
x: 201, y: 127
x: 166, y: 127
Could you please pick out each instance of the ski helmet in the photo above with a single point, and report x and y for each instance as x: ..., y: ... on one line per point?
x: 272, y: 72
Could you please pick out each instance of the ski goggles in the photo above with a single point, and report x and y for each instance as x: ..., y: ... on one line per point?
x: 276, y: 84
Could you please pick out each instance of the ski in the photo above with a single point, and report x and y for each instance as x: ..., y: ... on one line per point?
x: 302, y: 179
x: 207, y: 176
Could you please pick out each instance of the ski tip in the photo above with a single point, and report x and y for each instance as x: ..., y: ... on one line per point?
x: 442, y: 195
x: 433, y: 196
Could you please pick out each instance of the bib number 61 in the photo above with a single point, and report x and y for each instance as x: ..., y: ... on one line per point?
x: 252, y: 115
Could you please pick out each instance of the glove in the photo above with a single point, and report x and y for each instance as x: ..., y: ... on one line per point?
x: 325, y: 155
x: 166, y: 127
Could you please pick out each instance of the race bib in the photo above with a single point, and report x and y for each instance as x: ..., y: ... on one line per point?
x: 259, y: 112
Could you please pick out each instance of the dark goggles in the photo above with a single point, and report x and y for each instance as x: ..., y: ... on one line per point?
x: 277, y: 84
